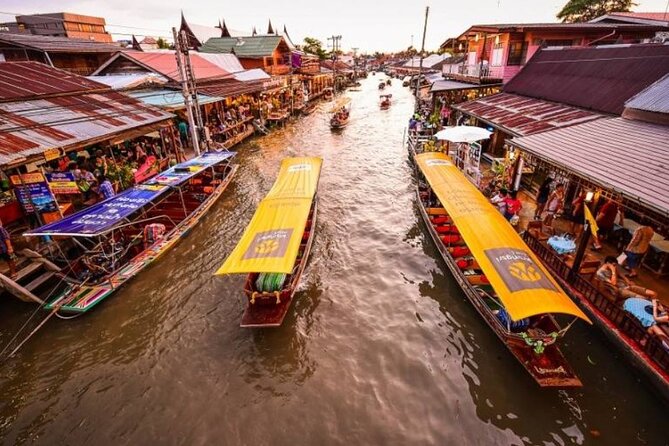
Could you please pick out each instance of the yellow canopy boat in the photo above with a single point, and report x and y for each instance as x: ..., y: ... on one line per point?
x: 274, y: 247
x: 500, y: 275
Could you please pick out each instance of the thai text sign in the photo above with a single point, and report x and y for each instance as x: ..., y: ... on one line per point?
x: 32, y: 191
x: 62, y: 183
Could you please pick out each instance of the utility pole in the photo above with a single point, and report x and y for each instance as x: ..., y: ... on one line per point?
x: 422, y: 50
x: 335, y: 56
x: 355, y: 63
x: 185, y: 90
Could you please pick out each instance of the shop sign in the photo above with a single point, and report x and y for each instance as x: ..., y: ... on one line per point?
x: 52, y: 154
x: 62, y: 183
x: 32, y: 191
x: 275, y: 82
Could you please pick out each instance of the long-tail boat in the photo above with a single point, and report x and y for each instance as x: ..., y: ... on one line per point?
x: 341, y: 112
x: 107, y: 244
x: 385, y: 101
x: 274, y: 249
x: 499, y: 274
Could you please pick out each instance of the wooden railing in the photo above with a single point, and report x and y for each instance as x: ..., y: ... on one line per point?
x: 624, y: 321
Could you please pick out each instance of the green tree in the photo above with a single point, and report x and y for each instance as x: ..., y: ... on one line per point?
x: 162, y: 43
x: 314, y: 46
x: 584, y: 10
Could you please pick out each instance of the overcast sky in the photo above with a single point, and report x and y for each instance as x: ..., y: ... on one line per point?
x: 366, y: 24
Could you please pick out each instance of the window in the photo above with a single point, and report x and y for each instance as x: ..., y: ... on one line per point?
x: 517, y: 53
x: 497, y: 56
x: 563, y: 42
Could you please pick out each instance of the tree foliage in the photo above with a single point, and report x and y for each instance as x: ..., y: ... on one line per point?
x: 162, y: 43
x: 584, y: 10
x: 314, y: 46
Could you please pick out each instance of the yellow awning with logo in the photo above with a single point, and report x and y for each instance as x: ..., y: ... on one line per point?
x: 521, y: 282
x: 341, y: 102
x: 271, y: 242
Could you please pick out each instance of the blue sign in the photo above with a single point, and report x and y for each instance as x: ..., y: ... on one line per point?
x: 182, y: 172
x: 32, y: 191
x: 102, y: 216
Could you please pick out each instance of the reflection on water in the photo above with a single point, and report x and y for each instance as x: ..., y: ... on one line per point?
x: 380, y: 346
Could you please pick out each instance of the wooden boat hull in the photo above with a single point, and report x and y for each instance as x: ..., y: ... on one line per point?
x: 549, y: 369
x: 384, y: 106
x: 82, y: 298
x: 339, y: 125
x: 266, y: 312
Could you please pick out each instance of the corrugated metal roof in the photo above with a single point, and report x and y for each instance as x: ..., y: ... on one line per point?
x: 521, y: 115
x: 597, y: 78
x: 29, y: 128
x: 169, y: 99
x: 428, y: 62
x: 653, y: 99
x: 25, y: 80
x: 244, y: 47
x: 165, y: 64
x: 628, y: 156
x: 58, y: 44
x: 255, y: 74
x: 661, y: 16
x: 231, y: 87
x: 563, y: 27
x: 228, y: 62
x: 124, y: 81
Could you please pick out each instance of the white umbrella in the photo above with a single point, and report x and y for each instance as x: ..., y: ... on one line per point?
x: 463, y: 133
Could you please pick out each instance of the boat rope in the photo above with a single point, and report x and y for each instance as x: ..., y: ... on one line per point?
x: 565, y: 329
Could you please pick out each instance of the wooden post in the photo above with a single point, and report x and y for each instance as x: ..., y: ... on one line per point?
x: 582, y: 245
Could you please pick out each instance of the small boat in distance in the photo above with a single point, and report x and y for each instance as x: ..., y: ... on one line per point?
x: 275, y: 246
x: 109, y: 243
x: 389, y: 82
x: 382, y: 85
x: 341, y: 112
x: 502, y: 278
x: 328, y: 93
x: 309, y: 108
x: 385, y: 101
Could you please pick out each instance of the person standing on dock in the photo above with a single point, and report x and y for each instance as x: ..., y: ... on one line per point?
x: 7, y: 251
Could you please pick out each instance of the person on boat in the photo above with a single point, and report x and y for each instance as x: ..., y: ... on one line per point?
x: 499, y: 200
x: 513, y: 206
x: 619, y: 285
x: 637, y: 247
x: 106, y: 190
x: 542, y: 197
x: 153, y: 232
x: 554, y: 204
x: 660, y: 316
x: 7, y: 251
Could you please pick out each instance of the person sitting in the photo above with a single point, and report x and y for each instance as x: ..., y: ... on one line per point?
x: 106, y: 190
x: 619, y: 285
x: 499, y: 200
x: 660, y: 316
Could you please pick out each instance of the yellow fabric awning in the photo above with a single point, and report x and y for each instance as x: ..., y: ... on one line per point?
x: 341, y: 102
x: 521, y: 282
x: 271, y: 242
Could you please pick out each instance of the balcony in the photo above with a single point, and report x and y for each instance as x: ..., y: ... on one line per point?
x: 277, y: 70
x: 478, y: 74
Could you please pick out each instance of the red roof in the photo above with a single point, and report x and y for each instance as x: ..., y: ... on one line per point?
x: 165, y: 64
x: 661, y: 16
x: 521, y: 115
x: 26, y: 80
x: 600, y: 152
x: 597, y: 78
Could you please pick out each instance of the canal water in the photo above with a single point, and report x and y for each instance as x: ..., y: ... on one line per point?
x: 379, y: 348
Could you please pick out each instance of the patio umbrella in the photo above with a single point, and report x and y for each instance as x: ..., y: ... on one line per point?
x: 463, y: 133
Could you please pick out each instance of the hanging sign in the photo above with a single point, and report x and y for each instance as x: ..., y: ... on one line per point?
x: 32, y: 191
x: 62, y: 183
x: 52, y: 154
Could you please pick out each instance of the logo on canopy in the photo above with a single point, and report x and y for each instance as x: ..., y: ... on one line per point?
x: 298, y: 167
x: 518, y: 270
x: 268, y: 244
x: 431, y: 163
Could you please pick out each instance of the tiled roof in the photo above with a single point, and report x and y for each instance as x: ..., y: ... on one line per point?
x: 630, y: 157
x: 58, y: 44
x: 521, y: 115
x: 598, y: 78
x: 26, y: 80
x: 243, y: 47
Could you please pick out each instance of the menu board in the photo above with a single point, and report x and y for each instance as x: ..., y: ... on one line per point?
x: 62, y: 183
x: 32, y: 191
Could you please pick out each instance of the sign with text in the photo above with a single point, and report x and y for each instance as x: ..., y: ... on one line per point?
x: 62, y: 183
x: 32, y: 192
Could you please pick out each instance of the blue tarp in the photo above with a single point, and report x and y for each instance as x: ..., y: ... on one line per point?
x: 182, y: 172
x: 642, y: 309
x: 102, y: 216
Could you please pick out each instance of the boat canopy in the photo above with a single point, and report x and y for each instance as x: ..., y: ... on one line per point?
x: 341, y: 102
x: 182, y: 172
x: 520, y: 280
x: 272, y: 240
x: 102, y: 216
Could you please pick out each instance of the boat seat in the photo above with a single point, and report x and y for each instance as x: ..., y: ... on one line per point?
x: 446, y: 229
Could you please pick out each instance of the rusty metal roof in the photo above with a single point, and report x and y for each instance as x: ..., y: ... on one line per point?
x: 653, y: 99
x: 29, y: 128
x: 521, y: 115
x: 598, y: 78
x: 25, y: 80
x: 630, y: 157
x: 58, y: 44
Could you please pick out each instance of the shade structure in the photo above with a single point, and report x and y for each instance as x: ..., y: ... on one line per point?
x: 271, y: 242
x: 521, y: 282
x: 463, y: 133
